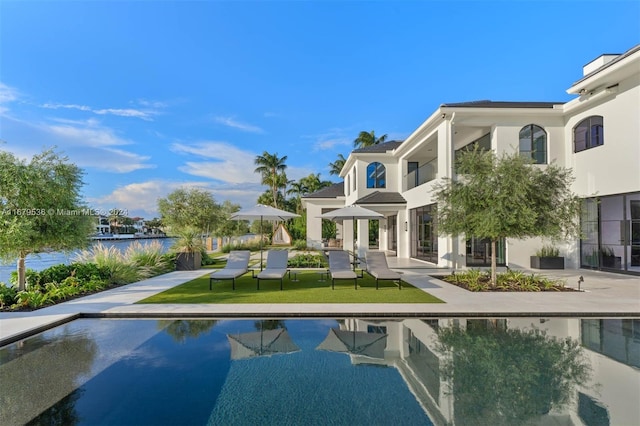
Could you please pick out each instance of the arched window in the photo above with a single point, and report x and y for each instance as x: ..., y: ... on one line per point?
x: 533, y: 144
x: 588, y: 133
x: 376, y: 176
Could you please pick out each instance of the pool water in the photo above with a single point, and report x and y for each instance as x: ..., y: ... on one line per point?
x: 319, y: 372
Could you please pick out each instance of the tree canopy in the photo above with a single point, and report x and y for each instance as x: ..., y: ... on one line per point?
x: 271, y: 168
x: 189, y: 208
x: 366, y: 139
x: 506, y: 197
x: 41, y: 207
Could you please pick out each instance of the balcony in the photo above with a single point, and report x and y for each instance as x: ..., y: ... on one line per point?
x: 423, y: 174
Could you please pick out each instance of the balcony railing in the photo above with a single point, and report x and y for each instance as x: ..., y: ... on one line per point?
x: 423, y: 174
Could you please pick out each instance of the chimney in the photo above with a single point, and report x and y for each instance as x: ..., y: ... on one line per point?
x: 598, y: 62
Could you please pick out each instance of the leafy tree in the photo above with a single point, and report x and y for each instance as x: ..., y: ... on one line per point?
x: 336, y: 167
x: 506, y: 197
x: 366, y: 139
x: 189, y: 208
x: 270, y: 167
x: 228, y: 227
x: 40, y: 207
x: 154, y: 224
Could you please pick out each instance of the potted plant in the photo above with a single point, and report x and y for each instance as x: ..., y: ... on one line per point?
x: 548, y: 257
x: 609, y: 258
x: 188, y: 248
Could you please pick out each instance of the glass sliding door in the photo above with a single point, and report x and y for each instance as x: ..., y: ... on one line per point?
x: 479, y: 252
x: 392, y: 233
x: 610, y: 229
x: 424, y: 235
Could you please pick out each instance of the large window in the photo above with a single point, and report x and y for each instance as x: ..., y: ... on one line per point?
x: 589, y: 133
x: 533, y: 144
x: 376, y: 176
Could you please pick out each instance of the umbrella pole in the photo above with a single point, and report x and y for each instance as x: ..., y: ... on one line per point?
x: 261, y: 242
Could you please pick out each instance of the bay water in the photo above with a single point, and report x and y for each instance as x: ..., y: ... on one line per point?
x: 41, y: 261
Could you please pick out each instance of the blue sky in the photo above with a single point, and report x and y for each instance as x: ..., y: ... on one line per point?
x: 148, y: 96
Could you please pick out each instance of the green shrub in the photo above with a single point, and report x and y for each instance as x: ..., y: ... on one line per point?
x: 548, y: 251
x: 33, y: 299
x: 206, y: 259
x: 307, y: 260
x: 32, y: 279
x: 252, y: 246
x: 300, y: 244
x: 148, y: 258
x: 121, y: 270
x: 8, y: 295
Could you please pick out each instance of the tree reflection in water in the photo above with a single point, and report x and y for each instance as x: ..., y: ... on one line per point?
x: 503, y: 376
x: 181, y: 330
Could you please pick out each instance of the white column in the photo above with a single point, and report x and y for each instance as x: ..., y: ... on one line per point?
x: 314, y: 226
x: 363, y: 236
x: 347, y: 235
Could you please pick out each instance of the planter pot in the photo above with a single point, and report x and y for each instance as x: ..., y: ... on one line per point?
x: 612, y: 262
x: 547, y: 262
x: 188, y: 261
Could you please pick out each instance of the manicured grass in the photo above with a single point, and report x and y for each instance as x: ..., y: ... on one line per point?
x: 308, y: 289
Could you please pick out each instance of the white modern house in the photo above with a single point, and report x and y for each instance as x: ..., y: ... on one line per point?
x: 596, y: 134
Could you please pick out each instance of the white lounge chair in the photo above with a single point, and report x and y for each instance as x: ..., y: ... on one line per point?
x: 340, y: 268
x: 237, y: 265
x: 276, y: 266
x: 378, y: 268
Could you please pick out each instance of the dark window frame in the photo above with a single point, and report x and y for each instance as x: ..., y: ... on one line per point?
x: 533, y: 153
x: 588, y: 133
x: 378, y: 180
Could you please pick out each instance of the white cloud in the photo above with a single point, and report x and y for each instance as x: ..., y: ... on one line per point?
x: 86, y: 143
x: 231, y: 164
x: 331, y: 144
x: 66, y: 106
x: 141, y: 199
x: 88, y: 133
x: 121, y: 112
x: 231, y: 122
x: 7, y: 95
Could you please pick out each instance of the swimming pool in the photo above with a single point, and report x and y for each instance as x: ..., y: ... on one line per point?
x: 331, y: 371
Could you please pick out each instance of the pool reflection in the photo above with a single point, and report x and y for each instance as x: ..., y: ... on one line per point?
x: 505, y: 371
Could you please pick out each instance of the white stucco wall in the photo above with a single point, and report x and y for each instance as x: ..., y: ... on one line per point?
x: 613, y: 167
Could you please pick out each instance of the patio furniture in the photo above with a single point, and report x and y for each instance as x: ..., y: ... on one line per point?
x: 378, y: 268
x: 276, y: 267
x: 237, y: 265
x: 340, y: 268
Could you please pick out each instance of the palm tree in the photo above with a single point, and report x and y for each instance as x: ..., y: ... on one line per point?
x: 336, y: 166
x: 298, y: 189
x: 366, y: 139
x: 313, y: 183
x: 269, y: 167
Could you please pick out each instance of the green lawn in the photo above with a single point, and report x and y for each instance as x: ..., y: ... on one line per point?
x: 308, y: 289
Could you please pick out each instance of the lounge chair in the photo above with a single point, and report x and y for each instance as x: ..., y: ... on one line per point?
x: 237, y: 265
x: 276, y: 267
x: 340, y: 268
x: 378, y: 268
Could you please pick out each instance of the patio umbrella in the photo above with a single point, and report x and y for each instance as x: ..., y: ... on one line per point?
x: 261, y: 343
x: 371, y: 345
x: 351, y: 212
x: 262, y: 212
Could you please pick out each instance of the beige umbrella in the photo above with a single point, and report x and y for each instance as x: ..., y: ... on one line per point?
x: 262, y: 212
x: 371, y: 345
x: 261, y: 343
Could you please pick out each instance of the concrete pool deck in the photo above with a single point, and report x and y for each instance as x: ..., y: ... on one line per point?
x: 605, y: 295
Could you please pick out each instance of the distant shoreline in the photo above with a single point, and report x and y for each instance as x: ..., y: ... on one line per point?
x: 125, y: 237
